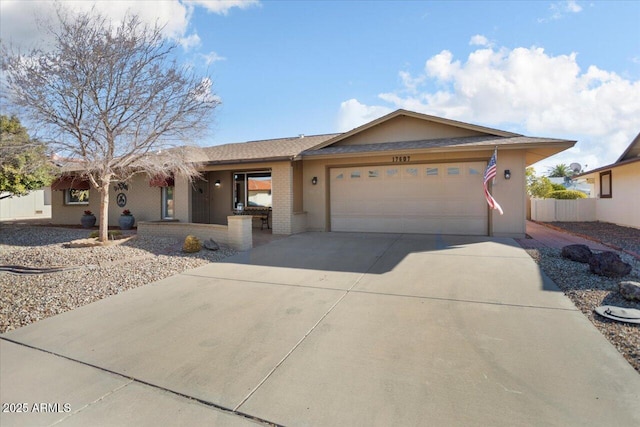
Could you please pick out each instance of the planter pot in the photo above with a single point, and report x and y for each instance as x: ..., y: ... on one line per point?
x: 88, y: 221
x: 126, y: 222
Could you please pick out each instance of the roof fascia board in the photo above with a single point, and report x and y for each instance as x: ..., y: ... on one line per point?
x: 635, y: 141
x: 610, y: 166
x: 245, y: 161
x: 420, y: 116
x: 488, y: 148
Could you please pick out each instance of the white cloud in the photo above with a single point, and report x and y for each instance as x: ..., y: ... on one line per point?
x: 18, y: 23
x: 524, y: 90
x: 573, y: 6
x: 441, y: 67
x: 222, y: 7
x: 189, y: 42
x: 560, y: 9
x: 18, y: 18
x: 353, y: 114
x: 212, y: 57
x: 479, y: 40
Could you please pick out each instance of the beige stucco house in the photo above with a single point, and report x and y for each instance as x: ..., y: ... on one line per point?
x: 616, y: 188
x: 403, y: 173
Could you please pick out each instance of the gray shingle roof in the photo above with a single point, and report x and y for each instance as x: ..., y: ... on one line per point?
x: 271, y: 149
x: 471, y: 142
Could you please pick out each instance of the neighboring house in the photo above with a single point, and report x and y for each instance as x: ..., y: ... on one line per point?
x: 36, y: 204
x: 571, y: 184
x: 617, y: 188
x: 402, y: 173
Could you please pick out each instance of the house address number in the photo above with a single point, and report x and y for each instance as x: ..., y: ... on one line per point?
x: 400, y: 159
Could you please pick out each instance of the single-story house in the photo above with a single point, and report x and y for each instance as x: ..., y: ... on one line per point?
x: 617, y: 188
x: 402, y: 173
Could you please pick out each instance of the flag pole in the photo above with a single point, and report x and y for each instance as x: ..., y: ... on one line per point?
x: 495, y: 156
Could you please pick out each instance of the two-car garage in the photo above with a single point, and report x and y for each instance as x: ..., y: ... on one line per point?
x: 443, y: 198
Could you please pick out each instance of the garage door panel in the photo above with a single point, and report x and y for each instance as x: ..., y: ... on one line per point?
x: 426, y: 198
x: 368, y: 224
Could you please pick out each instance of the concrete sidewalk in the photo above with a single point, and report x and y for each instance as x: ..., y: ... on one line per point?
x: 542, y: 236
x: 328, y: 329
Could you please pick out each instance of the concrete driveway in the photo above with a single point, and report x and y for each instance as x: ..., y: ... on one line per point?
x: 328, y: 329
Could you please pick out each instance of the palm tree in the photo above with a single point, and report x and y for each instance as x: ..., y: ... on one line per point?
x: 560, y: 171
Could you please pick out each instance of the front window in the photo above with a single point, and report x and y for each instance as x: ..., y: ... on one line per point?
x: 605, y: 185
x: 76, y: 197
x: 252, y: 190
x: 167, y: 203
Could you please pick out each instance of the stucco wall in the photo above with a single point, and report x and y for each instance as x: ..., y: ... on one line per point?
x: 623, y: 208
x: 142, y: 200
x: 510, y: 194
x: 182, y: 199
x: 221, y: 197
x: 405, y: 128
x: 237, y: 234
x: 71, y: 214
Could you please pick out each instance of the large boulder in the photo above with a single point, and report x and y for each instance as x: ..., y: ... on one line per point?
x: 211, y: 245
x: 630, y: 290
x: 191, y: 244
x: 580, y: 253
x: 608, y: 264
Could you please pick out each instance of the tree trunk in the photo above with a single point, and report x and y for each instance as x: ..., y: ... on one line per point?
x: 103, y: 235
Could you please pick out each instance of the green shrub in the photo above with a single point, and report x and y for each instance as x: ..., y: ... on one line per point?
x: 191, y: 244
x: 539, y: 187
x: 558, y: 187
x: 567, y: 195
x: 110, y: 234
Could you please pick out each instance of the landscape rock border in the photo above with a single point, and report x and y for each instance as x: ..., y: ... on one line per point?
x: 629, y: 290
x: 605, y: 263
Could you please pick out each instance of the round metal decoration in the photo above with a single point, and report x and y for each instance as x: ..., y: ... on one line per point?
x: 121, y: 200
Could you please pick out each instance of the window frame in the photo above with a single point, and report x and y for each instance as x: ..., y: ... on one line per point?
x: 245, y: 190
x: 69, y: 202
x: 607, y: 185
x: 164, y: 210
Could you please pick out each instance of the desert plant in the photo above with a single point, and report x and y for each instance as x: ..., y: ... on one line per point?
x: 191, y: 244
x: 567, y: 195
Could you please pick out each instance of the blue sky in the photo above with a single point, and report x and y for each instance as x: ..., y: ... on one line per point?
x: 282, y: 68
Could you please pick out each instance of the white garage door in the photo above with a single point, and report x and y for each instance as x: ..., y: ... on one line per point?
x: 444, y: 198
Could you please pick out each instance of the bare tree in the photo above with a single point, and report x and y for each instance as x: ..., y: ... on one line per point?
x: 113, y: 97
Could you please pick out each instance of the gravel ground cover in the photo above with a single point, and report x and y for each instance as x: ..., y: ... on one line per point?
x: 626, y: 238
x: 588, y: 291
x: 92, y: 273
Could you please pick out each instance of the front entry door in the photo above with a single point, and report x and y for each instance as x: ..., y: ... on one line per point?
x: 200, y: 201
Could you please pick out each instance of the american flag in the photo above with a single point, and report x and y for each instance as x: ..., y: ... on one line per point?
x: 490, y: 174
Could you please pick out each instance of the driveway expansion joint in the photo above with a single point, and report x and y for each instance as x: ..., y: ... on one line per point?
x: 109, y: 393
x: 286, y: 356
x: 467, y: 301
x: 146, y: 383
